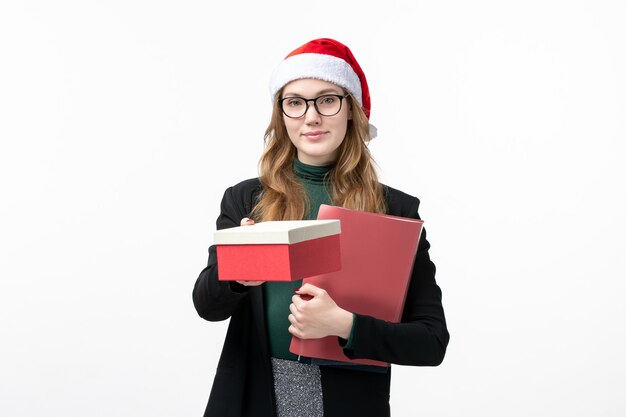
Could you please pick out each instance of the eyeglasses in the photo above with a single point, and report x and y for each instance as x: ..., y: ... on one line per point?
x: 326, y: 105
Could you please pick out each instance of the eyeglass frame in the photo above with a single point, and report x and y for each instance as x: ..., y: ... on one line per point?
x: 314, y: 100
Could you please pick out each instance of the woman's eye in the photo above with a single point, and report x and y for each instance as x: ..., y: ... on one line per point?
x: 294, y: 103
x: 327, y: 100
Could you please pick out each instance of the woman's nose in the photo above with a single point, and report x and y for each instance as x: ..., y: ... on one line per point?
x: 312, y: 116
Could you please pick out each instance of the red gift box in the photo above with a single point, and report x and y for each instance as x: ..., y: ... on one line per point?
x: 278, y: 250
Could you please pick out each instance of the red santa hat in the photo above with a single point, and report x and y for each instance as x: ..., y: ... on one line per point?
x: 328, y: 60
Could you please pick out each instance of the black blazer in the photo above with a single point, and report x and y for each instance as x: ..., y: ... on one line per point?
x: 243, y: 385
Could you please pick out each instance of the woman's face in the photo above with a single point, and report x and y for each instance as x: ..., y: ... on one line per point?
x: 316, y: 137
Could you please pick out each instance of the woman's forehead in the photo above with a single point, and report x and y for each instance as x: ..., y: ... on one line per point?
x: 311, y: 86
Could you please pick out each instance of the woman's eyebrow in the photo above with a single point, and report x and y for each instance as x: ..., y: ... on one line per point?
x: 319, y: 93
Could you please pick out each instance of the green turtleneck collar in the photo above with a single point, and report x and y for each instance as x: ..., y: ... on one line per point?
x: 311, y: 173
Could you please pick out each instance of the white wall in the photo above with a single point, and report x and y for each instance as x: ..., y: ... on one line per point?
x: 118, y: 137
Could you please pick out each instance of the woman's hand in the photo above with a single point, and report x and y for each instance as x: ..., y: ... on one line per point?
x: 314, y: 314
x: 249, y: 222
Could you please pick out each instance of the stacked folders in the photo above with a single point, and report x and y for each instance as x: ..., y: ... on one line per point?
x: 377, y: 256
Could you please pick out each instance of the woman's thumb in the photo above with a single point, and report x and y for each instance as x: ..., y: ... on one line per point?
x: 246, y: 222
x: 309, y: 290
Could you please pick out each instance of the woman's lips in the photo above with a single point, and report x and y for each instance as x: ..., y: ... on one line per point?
x: 316, y: 135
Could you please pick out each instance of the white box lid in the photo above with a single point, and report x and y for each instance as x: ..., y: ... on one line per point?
x: 277, y: 232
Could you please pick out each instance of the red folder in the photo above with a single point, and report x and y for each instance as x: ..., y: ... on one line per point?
x: 377, y: 255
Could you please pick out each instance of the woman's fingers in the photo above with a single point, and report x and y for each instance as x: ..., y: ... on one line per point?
x: 246, y: 222
x: 295, y: 331
x: 251, y: 283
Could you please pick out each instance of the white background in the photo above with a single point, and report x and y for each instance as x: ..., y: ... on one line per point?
x: 122, y: 122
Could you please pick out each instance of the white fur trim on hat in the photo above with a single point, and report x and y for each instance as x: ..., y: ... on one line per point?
x: 373, y: 131
x: 319, y: 66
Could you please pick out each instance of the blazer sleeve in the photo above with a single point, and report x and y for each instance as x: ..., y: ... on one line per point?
x: 216, y: 300
x: 422, y: 336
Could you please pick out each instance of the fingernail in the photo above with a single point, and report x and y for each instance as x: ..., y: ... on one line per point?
x: 297, y: 289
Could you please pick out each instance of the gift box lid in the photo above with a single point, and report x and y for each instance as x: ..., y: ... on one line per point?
x: 277, y: 232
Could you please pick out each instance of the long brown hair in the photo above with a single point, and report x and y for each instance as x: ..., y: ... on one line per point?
x: 353, y: 178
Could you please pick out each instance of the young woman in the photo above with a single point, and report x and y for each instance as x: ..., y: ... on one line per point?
x: 316, y: 153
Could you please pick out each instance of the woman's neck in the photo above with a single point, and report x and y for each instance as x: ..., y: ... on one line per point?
x: 312, y: 173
